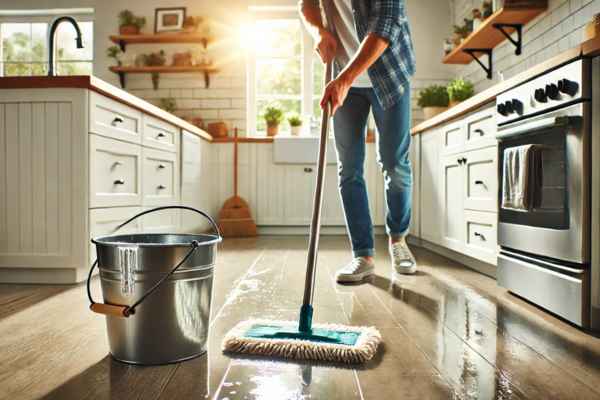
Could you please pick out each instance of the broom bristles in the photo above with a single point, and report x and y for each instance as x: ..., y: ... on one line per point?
x: 363, y: 350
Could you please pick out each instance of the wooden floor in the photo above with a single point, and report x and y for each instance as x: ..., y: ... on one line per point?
x: 448, y: 333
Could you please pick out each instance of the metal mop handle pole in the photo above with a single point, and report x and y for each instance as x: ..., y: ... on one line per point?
x: 306, y: 311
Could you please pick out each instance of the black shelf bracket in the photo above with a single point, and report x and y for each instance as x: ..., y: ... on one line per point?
x: 519, y: 29
x: 122, y: 45
x: 121, y: 79
x: 487, y: 68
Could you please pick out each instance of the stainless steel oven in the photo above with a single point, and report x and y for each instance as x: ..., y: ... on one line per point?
x: 545, y: 248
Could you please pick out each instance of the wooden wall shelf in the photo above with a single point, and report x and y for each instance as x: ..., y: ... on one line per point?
x: 179, y: 37
x: 155, y: 71
x: 489, y: 35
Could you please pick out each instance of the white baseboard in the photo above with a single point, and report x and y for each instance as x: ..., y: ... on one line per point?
x: 304, y: 230
x: 472, y: 263
x: 48, y: 276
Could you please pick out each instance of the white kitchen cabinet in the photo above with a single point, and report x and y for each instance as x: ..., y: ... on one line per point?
x: 415, y: 161
x: 76, y: 167
x: 481, y: 180
x: 196, y: 182
x: 481, y: 235
x: 452, y: 176
x: 430, y: 187
x: 271, y: 178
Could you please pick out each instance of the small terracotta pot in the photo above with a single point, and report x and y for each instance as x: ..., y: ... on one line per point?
x: 430, y: 112
x: 129, y: 30
x: 272, y: 130
x: 453, y: 103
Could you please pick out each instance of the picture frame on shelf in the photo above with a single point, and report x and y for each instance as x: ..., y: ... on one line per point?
x: 169, y: 19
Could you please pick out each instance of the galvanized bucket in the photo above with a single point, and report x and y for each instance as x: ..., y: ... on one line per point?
x: 157, y: 291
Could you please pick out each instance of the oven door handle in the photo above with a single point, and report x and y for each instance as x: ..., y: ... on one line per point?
x: 529, y: 127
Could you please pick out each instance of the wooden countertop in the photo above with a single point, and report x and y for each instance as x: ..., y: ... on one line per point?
x: 106, y: 89
x: 590, y: 48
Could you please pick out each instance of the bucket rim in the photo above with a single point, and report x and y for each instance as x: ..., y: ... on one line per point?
x: 107, y: 240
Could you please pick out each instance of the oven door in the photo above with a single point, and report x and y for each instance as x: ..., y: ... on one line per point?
x: 557, y: 225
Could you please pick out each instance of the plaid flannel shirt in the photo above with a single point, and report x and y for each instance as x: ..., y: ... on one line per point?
x: 391, y: 73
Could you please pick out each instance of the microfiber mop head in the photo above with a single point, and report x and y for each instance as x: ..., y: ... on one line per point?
x: 282, y: 339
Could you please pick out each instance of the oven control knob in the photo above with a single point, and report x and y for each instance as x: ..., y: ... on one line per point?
x: 568, y: 87
x: 540, y: 96
x: 517, y: 106
x: 502, y: 109
x: 510, y: 109
x: 552, y: 92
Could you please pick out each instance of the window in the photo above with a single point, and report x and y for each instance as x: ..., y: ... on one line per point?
x: 282, y: 69
x: 24, y: 52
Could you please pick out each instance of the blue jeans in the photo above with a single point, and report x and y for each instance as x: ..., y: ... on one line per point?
x: 393, y: 142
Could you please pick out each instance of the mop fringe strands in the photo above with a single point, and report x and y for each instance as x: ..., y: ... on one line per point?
x: 282, y: 339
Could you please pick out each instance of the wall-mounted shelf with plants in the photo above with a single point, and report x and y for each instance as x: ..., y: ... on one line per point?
x: 487, y: 34
x: 155, y: 63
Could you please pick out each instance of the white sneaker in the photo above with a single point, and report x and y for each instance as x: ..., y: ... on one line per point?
x: 403, y: 260
x: 356, y: 270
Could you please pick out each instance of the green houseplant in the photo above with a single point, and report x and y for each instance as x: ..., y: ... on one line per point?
x: 129, y: 24
x: 434, y: 100
x: 273, y: 116
x: 114, y: 52
x: 168, y: 104
x: 459, y: 90
x: 295, y: 122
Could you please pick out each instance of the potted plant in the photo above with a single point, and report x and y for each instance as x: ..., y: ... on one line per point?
x: 459, y: 90
x: 168, y: 104
x: 488, y: 8
x: 273, y: 116
x: 115, y: 53
x: 460, y: 33
x: 129, y: 24
x: 434, y: 100
x: 295, y: 122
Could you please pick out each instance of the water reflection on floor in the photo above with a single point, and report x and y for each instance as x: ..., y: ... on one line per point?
x: 448, y: 333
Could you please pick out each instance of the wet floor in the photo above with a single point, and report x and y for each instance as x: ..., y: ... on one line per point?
x: 448, y: 333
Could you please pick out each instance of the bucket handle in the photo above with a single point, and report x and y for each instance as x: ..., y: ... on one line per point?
x: 125, y: 311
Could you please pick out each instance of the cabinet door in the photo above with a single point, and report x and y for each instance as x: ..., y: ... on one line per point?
x: 196, y: 183
x: 333, y: 211
x: 430, y: 196
x: 481, y: 180
x: 452, y: 176
x: 299, y: 191
x: 160, y: 178
x: 453, y: 136
x: 270, y: 187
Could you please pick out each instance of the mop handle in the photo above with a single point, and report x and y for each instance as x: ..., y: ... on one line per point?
x: 315, y: 225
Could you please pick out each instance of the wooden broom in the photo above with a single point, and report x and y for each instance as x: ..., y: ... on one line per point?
x: 235, y: 218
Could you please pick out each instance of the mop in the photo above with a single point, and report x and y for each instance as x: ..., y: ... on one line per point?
x: 303, y: 340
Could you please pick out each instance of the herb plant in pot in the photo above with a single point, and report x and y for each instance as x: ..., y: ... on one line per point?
x: 129, y: 24
x: 115, y: 53
x: 273, y: 116
x: 459, y: 90
x: 295, y: 122
x: 434, y: 100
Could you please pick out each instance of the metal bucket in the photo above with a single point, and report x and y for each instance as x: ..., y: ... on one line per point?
x: 157, y: 291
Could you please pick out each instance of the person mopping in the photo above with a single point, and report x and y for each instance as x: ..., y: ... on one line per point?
x: 374, y: 58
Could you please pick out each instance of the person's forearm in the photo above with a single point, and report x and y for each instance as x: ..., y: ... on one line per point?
x: 311, y: 16
x: 369, y: 51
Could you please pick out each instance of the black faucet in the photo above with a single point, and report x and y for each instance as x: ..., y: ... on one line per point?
x: 52, y: 38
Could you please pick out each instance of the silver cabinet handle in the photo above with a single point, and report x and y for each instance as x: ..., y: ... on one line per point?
x: 479, y: 235
x: 308, y: 170
x: 117, y: 120
x: 119, y: 182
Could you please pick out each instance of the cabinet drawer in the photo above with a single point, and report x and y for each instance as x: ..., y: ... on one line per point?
x: 165, y: 221
x: 481, y: 181
x: 159, y: 134
x: 481, y: 130
x: 161, y: 178
x: 481, y: 236
x: 115, y: 173
x: 103, y: 222
x: 453, y: 137
x: 113, y: 119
